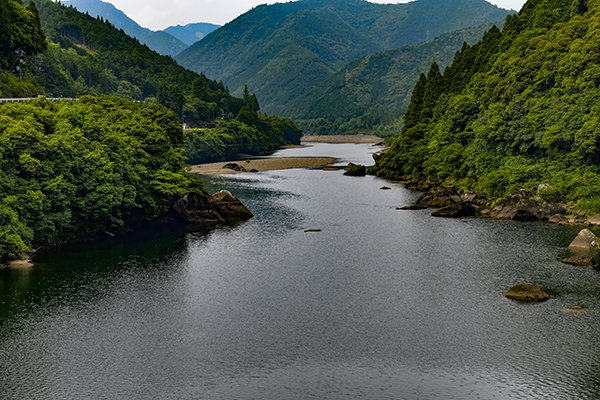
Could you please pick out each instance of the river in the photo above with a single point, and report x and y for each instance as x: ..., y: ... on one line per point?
x: 382, y: 304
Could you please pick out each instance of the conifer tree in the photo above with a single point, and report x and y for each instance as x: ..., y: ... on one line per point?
x: 413, y: 115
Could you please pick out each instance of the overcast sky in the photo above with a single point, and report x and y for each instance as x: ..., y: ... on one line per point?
x: 159, y: 14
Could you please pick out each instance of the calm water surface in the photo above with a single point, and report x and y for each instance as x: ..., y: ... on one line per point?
x: 382, y: 304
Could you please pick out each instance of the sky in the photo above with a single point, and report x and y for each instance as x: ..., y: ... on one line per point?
x: 159, y: 14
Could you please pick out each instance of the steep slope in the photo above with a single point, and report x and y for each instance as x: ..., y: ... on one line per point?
x: 191, y: 33
x: 283, y: 51
x: 160, y: 41
x: 370, y: 94
x: 517, y: 110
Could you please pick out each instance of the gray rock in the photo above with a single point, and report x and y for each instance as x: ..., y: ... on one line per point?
x: 195, y: 208
x: 581, y: 261
x: 457, y: 210
x: 229, y: 206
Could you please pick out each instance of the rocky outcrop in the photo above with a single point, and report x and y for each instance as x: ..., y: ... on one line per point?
x: 355, y: 170
x: 199, y: 209
x: 229, y: 206
x: 581, y: 261
x: 458, y: 210
x: 585, y: 242
x: 439, y: 198
x: 235, y: 167
x: 525, y: 206
x: 527, y: 292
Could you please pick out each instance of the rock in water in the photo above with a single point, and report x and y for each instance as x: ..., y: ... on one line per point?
x: 581, y: 261
x: 525, y: 206
x: 458, y: 210
x: 585, y: 241
x: 355, y: 170
x: 195, y: 208
x: 229, y: 206
x: 527, y: 292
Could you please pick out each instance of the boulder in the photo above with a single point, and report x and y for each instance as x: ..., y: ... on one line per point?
x: 457, y: 210
x: 355, y: 170
x: 313, y: 230
x: 595, y: 220
x: 581, y: 261
x: 385, y: 188
x: 195, y: 208
x: 229, y: 206
x: 438, y: 198
x: 586, y: 242
x: 527, y: 292
x: 525, y: 206
x: 235, y: 167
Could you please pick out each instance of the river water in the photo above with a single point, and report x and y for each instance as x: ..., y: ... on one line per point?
x: 382, y: 304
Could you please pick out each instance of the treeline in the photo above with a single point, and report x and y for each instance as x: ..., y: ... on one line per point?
x: 516, y: 110
x: 68, y: 169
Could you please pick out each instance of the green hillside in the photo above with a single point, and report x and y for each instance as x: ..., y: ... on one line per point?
x: 284, y: 51
x: 372, y: 94
x: 517, y: 110
x: 191, y: 33
x: 159, y: 41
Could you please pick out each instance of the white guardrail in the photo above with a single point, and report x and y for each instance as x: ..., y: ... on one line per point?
x: 24, y: 99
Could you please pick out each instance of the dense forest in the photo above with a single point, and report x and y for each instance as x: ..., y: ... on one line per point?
x: 68, y: 169
x: 72, y: 168
x: 518, y: 109
x: 370, y: 95
x: 283, y: 51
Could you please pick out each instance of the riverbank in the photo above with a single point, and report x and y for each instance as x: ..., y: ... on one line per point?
x: 339, y: 139
x: 261, y: 164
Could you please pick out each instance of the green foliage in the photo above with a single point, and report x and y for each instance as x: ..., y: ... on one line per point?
x: 518, y: 109
x: 285, y: 52
x: 69, y: 169
x: 20, y: 33
x: 161, y: 42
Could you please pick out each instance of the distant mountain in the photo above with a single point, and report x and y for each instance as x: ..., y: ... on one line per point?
x: 283, y: 51
x: 191, y: 33
x: 372, y: 93
x: 161, y: 42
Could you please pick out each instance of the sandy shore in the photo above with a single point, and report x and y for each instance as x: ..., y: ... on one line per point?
x: 343, y: 139
x: 263, y: 164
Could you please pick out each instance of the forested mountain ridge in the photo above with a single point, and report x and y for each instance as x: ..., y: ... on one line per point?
x: 517, y: 110
x: 285, y: 50
x: 372, y: 94
x: 191, y: 33
x: 159, y: 41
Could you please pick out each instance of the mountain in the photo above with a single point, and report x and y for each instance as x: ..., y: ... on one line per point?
x: 371, y: 94
x: 161, y: 42
x: 517, y: 110
x: 283, y: 51
x: 191, y: 33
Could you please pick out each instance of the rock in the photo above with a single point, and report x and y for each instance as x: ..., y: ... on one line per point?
x: 595, y: 220
x: 438, y: 199
x: 458, y: 210
x: 581, y: 261
x: 253, y: 170
x: 558, y: 219
x: 586, y: 242
x: 235, y: 167
x: 229, y: 206
x: 312, y: 230
x: 411, y: 207
x: 355, y: 170
x: 385, y: 188
x: 575, y: 309
x: 527, y: 292
x: 330, y: 169
x: 195, y: 208
x: 525, y: 206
